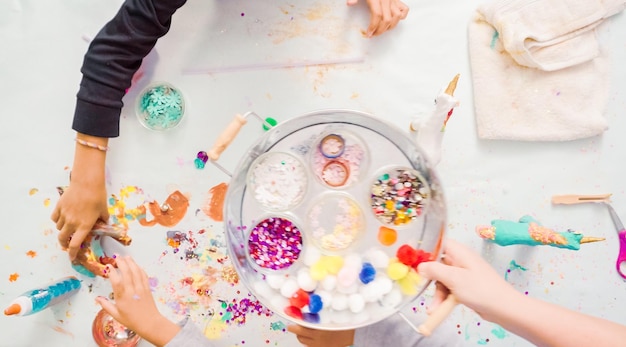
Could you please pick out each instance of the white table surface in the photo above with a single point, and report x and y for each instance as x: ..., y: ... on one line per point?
x: 395, y: 76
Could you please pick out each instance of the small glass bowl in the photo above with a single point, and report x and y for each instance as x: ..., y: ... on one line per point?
x: 160, y: 106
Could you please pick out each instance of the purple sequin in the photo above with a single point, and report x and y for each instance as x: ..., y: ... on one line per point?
x: 275, y: 243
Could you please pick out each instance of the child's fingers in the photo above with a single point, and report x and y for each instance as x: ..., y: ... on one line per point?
x: 108, y: 306
x: 441, y: 292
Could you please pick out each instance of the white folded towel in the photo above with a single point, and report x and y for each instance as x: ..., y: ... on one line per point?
x: 537, y: 69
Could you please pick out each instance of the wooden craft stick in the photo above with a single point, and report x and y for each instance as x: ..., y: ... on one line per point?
x: 440, y: 313
x: 579, y: 199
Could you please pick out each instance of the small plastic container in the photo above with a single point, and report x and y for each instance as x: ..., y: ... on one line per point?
x: 398, y: 196
x: 160, y: 106
x: 278, y: 181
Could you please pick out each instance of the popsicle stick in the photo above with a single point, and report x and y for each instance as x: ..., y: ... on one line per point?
x: 579, y: 199
x: 441, y: 312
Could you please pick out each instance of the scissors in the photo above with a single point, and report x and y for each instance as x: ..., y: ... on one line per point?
x: 621, y: 233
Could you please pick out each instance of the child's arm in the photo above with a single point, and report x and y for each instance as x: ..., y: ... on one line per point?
x: 112, y: 59
x: 476, y: 285
x: 84, y: 201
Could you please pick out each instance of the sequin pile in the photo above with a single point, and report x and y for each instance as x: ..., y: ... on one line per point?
x: 398, y: 197
x: 161, y: 107
x: 275, y: 243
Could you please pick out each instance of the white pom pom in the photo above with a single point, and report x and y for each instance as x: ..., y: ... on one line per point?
x: 392, y: 299
x: 306, y: 282
x: 311, y: 255
x: 275, y: 281
x: 378, y: 258
x: 340, y: 302
x: 353, y: 288
x: 356, y: 303
x: 289, y: 288
x: 262, y: 289
x: 278, y: 302
x: 383, y: 284
x: 329, y: 283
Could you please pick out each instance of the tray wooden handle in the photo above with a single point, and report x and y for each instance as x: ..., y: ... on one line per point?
x: 226, y: 137
x: 440, y: 313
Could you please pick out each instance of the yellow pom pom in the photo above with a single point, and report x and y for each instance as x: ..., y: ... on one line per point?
x: 318, y: 271
x: 397, y: 270
x: 409, y: 284
x: 332, y: 264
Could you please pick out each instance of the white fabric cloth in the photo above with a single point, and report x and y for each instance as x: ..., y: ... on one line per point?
x: 537, y: 69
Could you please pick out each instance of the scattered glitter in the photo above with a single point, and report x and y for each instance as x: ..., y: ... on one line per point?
x: 13, y: 277
x: 513, y: 266
x: 275, y: 243
x: 31, y: 253
x: 46, y: 202
x: 277, y: 326
x: 33, y: 191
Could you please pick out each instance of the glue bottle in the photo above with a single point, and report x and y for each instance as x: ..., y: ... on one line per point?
x: 38, y: 299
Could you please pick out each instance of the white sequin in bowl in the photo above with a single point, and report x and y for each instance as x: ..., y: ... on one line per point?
x: 346, y: 275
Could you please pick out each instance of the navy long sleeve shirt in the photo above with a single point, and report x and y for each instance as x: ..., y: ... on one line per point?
x: 113, y: 57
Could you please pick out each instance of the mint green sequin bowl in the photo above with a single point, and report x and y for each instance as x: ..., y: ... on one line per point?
x: 160, y: 106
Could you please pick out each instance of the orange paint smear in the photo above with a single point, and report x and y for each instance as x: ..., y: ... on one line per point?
x: 31, y: 253
x: 176, y: 206
x: 215, y: 205
x: 13, y: 277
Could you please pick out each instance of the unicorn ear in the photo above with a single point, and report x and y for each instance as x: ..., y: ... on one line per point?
x: 528, y: 219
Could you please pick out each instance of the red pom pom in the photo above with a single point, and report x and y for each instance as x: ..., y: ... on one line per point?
x: 299, y: 299
x: 293, y: 312
x: 422, y: 257
x: 407, y: 255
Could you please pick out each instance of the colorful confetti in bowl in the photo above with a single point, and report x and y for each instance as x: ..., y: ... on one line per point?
x: 160, y: 106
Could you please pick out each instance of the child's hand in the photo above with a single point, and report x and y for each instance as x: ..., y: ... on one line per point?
x: 322, y: 338
x: 470, y: 278
x: 77, y: 211
x: 134, y: 306
x: 384, y: 15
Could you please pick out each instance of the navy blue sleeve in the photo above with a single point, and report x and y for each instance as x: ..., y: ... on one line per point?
x: 113, y: 57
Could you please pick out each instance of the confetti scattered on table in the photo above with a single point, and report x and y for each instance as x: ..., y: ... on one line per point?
x: 31, y: 253
x: 13, y: 277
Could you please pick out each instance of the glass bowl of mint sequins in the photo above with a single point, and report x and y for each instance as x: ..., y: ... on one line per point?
x: 160, y: 106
